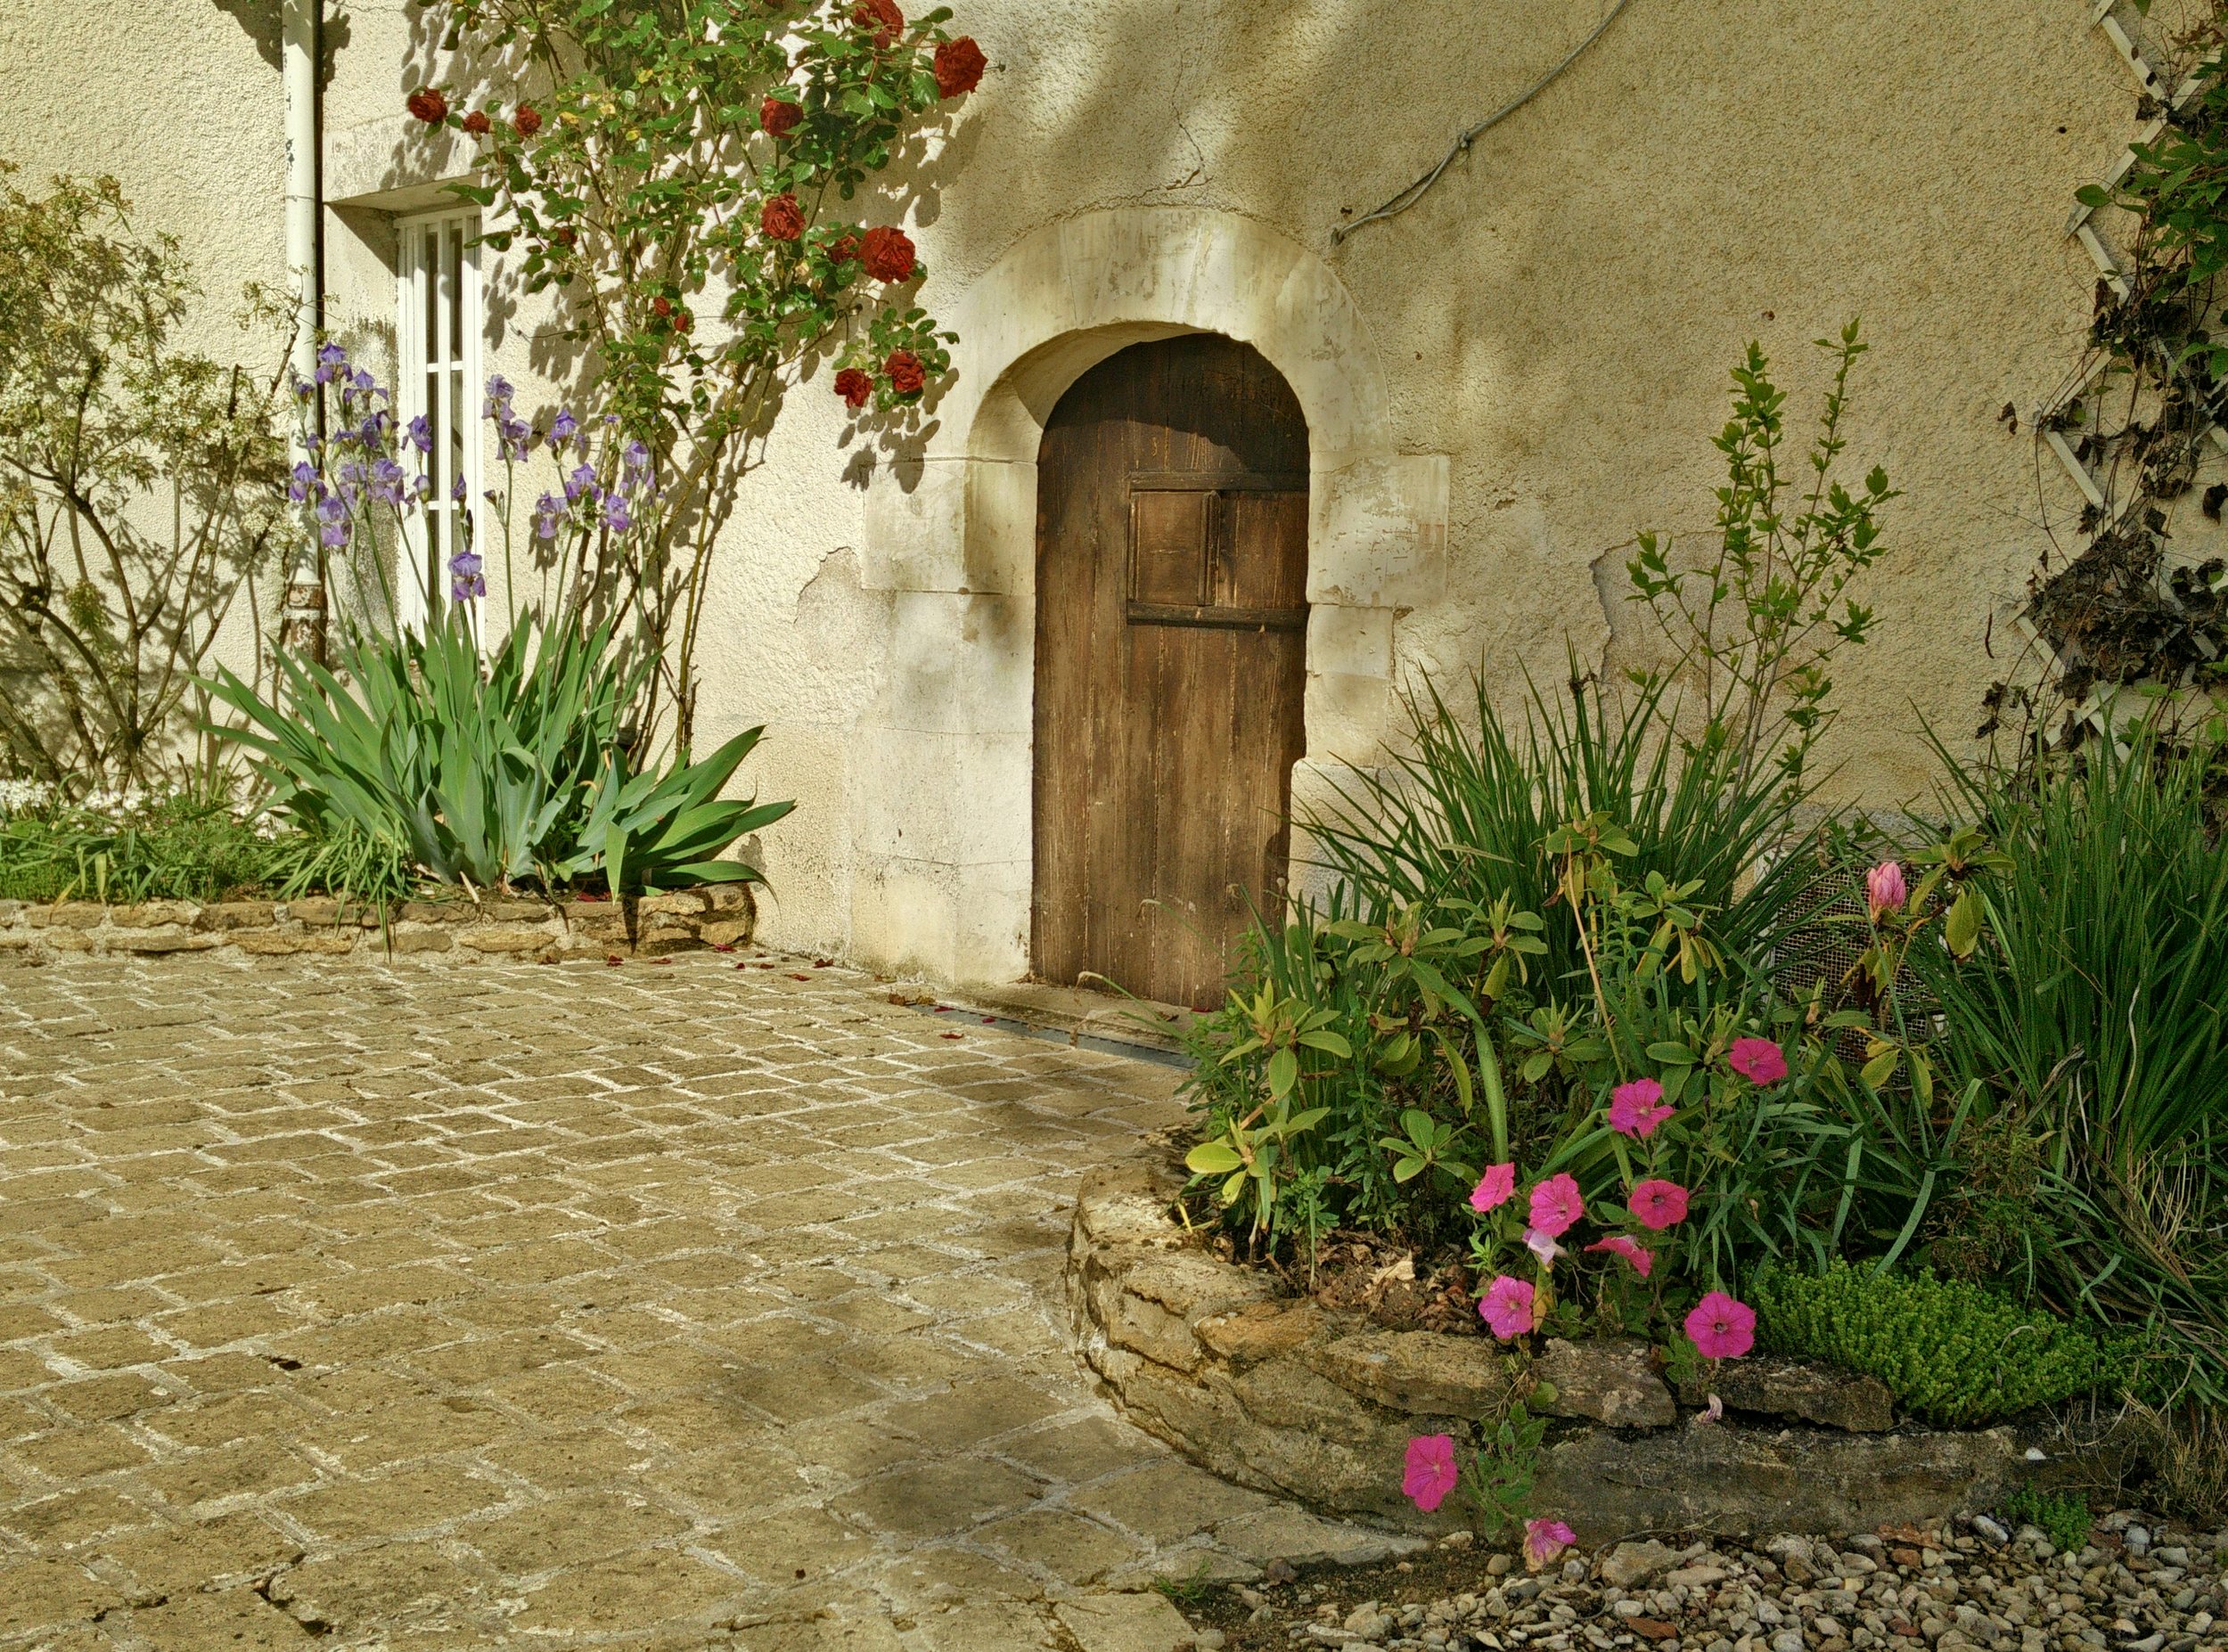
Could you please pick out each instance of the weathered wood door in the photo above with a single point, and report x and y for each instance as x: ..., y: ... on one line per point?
x: 1171, y: 647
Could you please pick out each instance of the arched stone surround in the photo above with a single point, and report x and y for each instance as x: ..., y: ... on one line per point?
x: 941, y: 794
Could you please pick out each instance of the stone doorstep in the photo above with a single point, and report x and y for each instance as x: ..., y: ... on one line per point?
x: 1069, y: 1010
x: 1319, y: 1405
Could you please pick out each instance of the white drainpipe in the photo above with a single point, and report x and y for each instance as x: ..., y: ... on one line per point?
x: 302, y: 624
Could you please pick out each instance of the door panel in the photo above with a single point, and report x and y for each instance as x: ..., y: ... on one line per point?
x: 1172, y: 529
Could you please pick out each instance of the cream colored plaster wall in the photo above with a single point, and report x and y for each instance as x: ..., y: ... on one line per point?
x: 1540, y: 346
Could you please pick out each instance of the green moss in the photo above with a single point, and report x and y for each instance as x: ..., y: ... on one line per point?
x: 1950, y: 1353
x: 2062, y: 1516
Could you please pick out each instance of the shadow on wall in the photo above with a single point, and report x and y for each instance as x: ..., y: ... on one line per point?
x: 260, y: 19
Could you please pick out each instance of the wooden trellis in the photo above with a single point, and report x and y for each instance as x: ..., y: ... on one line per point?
x: 2113, y: 265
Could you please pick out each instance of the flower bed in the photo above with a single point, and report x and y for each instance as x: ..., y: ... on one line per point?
x: 458, y: 931
x: 1320, y: 1403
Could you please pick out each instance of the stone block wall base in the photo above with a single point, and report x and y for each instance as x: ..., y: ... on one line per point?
x: 459, y: 931
x: 1290, y: 1397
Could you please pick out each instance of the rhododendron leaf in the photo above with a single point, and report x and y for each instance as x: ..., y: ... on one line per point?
x: 1283, y: 1073
x: 1330, y: 1044
x: 1307, y: 1120
x: 1671, y: 1054
x: 1882, y: 1067
x: 1213, y: 1158
x: 1961, y: 929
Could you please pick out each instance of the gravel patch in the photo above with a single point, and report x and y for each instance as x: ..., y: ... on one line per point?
x: 2136, y: 1586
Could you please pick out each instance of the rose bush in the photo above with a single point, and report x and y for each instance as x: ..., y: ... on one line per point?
x: 691, y: 181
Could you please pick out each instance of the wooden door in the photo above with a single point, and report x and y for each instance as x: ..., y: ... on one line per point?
x: 1171, y: 647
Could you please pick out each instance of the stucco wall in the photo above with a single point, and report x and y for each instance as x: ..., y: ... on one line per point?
x: 1540, y: 344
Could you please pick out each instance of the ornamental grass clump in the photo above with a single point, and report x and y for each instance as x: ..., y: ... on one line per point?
x: 1950, y: 1352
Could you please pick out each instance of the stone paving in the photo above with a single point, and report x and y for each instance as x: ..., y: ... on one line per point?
x: 695, y: 1303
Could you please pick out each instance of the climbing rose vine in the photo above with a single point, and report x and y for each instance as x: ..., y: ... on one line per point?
x: 694, y: 181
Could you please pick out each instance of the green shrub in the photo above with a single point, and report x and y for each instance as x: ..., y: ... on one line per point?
x: 1950, y: 1352
x: 178, y: 847
x: 2062, y: 1516
x: 187, y: 846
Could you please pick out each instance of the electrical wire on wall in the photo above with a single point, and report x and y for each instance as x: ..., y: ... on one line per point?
x: 1416, y: 191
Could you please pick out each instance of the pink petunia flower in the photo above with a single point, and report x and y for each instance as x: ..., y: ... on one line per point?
x: 1642, y: 1259
x: 1721, y: 1328
x: 1634, y: 1110
x: 1494, y: 1188
x: 1430, y: 1473
x: 1544, y: 1540
x: 1657, y: 1204
x: 1556, y: 1207
x: 1506, y: 1308
x: 1542, y: 1245
x: 1758, y: 1060
x: 1884, y: 889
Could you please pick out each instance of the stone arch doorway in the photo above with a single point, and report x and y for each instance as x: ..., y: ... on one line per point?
x: 1170, y: 664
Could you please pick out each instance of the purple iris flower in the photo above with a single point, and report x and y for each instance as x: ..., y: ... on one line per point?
x: 581, y: 481
x: 305, y: 479
x: 332, y: 520
x: 615, y: 517
x: 499, y: 394
x: 421, y: 434
x: 331, y: 361
x: 456, y: 488
x: 547, y: 510
x: 466, y: 579
x: 386, y: 482
x: 563, y: 428
x: 425, y: 486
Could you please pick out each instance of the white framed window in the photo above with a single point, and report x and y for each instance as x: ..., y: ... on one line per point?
x: 438, y: 380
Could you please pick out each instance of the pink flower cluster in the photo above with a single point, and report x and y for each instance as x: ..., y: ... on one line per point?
x: 1511, y: 1307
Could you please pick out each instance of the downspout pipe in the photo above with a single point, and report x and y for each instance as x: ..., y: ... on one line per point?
x: 302, y: 620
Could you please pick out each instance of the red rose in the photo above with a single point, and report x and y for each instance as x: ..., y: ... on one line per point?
x: 528, y: 120
x: 429, y: 105
x: 883, y: 17
x: 854, y: 387
x: 662, y: 306
x: 781, y: 218
x: 843, y: 249
x: 478, y: 124
x: 906, y: 372
x: 959, y: 66
x: 778, y: 117
x: 682, y: 321
x: 888, y: 254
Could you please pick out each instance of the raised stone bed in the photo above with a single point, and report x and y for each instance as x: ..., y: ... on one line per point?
x: 1287, y: 1396
x: 443, y: 931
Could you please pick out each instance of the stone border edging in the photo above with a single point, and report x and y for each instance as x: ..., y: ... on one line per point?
x: 1319, y: 1405
x: 437, y: 930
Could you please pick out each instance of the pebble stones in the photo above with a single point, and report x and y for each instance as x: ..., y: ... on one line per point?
x: 1975, y: 1585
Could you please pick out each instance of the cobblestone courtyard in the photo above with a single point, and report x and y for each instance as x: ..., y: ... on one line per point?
x: 679, y: 1305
